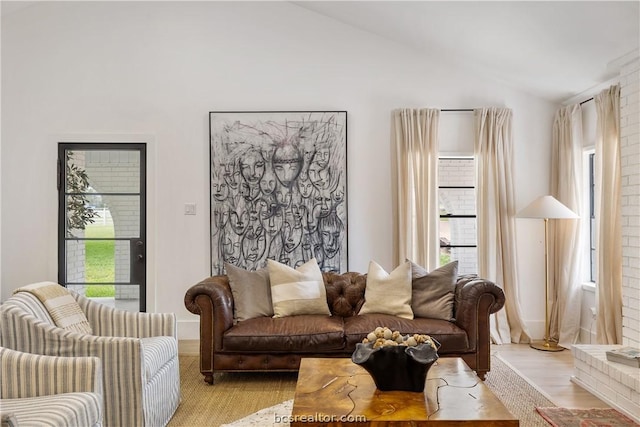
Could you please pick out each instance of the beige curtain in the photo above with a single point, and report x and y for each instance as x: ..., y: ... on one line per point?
x: 608, y: 217
x: 416, y: 213
x: 565, y: 287
x: 496, y: 218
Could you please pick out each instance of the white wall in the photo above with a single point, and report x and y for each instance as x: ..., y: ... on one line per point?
x: 101, y: 68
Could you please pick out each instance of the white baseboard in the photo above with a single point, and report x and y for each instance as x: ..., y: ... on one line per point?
x: 189, y: 329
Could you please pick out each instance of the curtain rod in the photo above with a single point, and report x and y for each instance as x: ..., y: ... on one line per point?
x: 586, y: 100
x: 446, y: 110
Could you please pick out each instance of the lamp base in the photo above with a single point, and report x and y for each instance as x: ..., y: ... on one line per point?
x: 546, y: 346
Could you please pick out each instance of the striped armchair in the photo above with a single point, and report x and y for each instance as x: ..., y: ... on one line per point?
x: 43, y: 391
x: 138, y: 351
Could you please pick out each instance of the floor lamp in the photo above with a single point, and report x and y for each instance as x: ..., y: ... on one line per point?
x: 546, y: 207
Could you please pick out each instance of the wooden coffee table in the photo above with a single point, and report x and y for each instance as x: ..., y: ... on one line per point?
x: 336, y: 392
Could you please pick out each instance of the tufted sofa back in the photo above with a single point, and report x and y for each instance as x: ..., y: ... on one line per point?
x: 345, y: 292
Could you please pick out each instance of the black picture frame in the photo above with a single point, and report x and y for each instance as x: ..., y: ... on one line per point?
x: 278, y: 188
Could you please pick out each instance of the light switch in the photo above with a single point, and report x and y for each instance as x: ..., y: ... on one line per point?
x: 189, y: 208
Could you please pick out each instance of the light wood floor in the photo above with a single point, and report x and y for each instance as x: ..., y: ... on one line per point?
x: 550, y: 372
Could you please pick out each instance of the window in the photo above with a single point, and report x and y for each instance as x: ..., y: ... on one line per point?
x: 591, y: 191
x: 457, y: 198
x: 588, y: 236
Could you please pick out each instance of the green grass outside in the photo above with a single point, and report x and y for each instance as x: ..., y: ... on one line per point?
x: 100, y: 260
x: 444, y: 258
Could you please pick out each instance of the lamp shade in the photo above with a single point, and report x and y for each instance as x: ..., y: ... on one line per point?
x: 547, y: 207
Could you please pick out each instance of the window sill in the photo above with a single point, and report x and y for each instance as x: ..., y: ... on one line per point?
x: 589, y: 287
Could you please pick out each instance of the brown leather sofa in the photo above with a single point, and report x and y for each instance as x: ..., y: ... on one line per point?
x: 278, y: 344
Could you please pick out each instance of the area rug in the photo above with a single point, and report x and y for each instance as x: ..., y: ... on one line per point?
x: 274, y: 416
x: 520, y: 397
x: 601, y: 417
x: 233, y: 396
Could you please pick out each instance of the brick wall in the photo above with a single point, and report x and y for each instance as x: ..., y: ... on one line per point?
x: 630, y: 159
x: 615, y: 383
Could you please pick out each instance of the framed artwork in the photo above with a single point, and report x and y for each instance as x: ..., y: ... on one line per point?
x: 278, y: 189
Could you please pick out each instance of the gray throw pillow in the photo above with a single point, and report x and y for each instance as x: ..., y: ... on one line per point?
x: 432, y: 294
x: 251, y: 292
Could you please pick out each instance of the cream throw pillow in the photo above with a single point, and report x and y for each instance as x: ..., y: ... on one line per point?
x: 297, y: 291
x: 388, y: 293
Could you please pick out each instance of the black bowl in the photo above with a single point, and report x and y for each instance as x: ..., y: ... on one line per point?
x: 396, y: 367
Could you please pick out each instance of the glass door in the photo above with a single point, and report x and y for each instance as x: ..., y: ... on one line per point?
x: 102, y: 222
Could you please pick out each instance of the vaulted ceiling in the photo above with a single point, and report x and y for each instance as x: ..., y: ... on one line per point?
x: 555, y: 49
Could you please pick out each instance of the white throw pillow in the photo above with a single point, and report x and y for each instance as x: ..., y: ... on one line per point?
x: 297, y: 291
x: 388, y: 293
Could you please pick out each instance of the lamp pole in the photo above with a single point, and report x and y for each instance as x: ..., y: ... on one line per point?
x: 546, y: 345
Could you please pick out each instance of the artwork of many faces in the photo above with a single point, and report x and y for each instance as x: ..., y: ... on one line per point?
x: 278, y: 189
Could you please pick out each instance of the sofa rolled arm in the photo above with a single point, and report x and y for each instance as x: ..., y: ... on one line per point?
x: 212, y: 293
x: 212, y: 300
x: 475, y: 300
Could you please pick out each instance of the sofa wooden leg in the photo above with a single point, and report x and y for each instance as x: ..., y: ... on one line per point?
x: 208, y: 378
